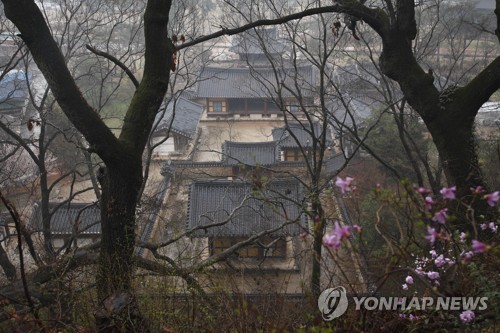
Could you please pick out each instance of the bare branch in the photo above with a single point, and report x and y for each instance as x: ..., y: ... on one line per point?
x: 116, y: 62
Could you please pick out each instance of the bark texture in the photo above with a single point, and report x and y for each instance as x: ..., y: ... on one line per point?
x: 449, y: 115
x: 122, y: 177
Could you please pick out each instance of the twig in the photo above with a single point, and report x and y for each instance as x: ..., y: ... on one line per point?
x: 15, y: 215
x: 116, y: 62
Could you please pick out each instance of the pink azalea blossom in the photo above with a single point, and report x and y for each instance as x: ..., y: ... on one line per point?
x: 432, y: 235
x: 433, y: 275
x: 448, y: 192
x: 428, y: 203
x: 423, y: 191
x: 493, y: 198
x: 493, y: 227
x: 467, y: 256
x: 483, y: 226
x: 409, y: 279
x: 419, y: 271
x: 467, y: 316
x: 479, y: 247
x: 335, y: 236
x: 477, y: 189
x: 463, y: 236
x: 441, y: 216
x: 404, y: 286
x: 357, y: 228
x: 440, y: 261
x: 345, y: 185
x: 433, y: 253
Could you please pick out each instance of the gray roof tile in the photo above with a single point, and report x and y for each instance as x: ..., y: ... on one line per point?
x: 250, y: 153
x: 334, y: 163
x: 303, y: 133
x: 214, y: 201
x: 13, y: 89
x: 250, y: 42
x: 187, y: 117
x: 64, y: 219
x: 252, y: 82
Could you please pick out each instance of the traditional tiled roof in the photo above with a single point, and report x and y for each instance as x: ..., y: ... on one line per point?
x: 250, y: 42
x: 250, y: 153
x: 352, y: 74
x: 359, y: 110
x: 303, y: 134
x: 248, y: 210
x: 13, y: 89
x: 65, y: 217
x: 335, y: 163
x: 216, y: 82
x: 187, y: 117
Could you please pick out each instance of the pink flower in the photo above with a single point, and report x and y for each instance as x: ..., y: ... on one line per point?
x: 409, y: 279
x: 303, y: 235
x: 493, y: 198
x: 448, y: 192
x: 335, y: 236
x: 440, y: 261
x: 477, y: 189
x: 483, y: 226
x: 463, y: 236
x: 331, y: 240
x: 357, y: 228
x: 433, y: 275
x: 449, y: 261
x: 467, y: 316
x: 428, y: 203
x: 404, y: 286
x: 433, y: 253
x: 345, y: 185
x: 432, y: 235
x: 467, y: 256
x: 441, y: 216
x: 423, y: 191
x: 493, y: 227
x: 479, y: 247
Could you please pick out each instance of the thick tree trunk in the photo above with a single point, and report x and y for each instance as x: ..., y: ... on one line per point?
x: 318, y: 233
x: 457, y: 147
x: 118, y: 311
x: 118, y: 201
x: 7, y: 266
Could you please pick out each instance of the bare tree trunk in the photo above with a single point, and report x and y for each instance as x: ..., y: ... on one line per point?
x: 7, y: 266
